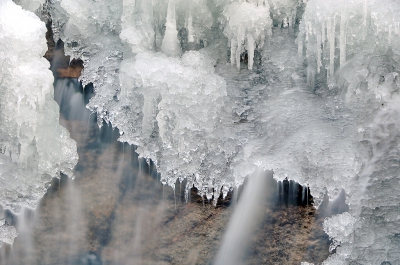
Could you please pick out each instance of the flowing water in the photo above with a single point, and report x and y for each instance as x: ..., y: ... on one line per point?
x: 245, y: 219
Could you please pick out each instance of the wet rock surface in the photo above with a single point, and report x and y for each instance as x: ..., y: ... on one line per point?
x: 62, y: 66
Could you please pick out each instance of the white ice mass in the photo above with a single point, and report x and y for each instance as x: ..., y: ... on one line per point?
x: 34, y: 148
x: 313, y: 95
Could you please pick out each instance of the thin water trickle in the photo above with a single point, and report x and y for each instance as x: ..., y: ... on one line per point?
x: 245, y: 219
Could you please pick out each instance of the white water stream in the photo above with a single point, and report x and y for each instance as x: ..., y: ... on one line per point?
x: 246, y: 217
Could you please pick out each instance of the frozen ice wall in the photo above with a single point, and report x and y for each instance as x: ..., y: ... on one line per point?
x: 161, y: 74
x: 368, y: 234
x: 34, y: 148
x: 166, y: 103
x: 352, y: 52
x: 335, y: 33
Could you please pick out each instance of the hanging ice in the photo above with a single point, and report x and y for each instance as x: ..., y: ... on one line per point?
x: 34, y: 148
x: 356, y: 29
x: 352, y: 46
x: 170, y: 44
x: 137, y: 25
x: 153, y: 68
x: 247, y: 25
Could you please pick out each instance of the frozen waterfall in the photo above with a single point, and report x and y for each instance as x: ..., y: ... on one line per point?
x: 211, y: 91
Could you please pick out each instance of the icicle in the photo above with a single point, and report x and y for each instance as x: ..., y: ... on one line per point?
x: 396, y: 28
x: 174, y: 196
x: 332, y: 47
x: 365, y: 12
x: 307, y: 195
x: 308, y: 25
x: 390, y: 34
x: 233, y: 51
x: 190, y: 26
x: 187, y: 192
x: 170, y: 44
x: 343, y: 36
x: 319, y: 63
x: 238, y: 51
x: 250, y: 50
x: 300, y: 46
x: 147, y: 8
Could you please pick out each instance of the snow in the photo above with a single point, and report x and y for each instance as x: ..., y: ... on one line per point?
x: 34, y: 147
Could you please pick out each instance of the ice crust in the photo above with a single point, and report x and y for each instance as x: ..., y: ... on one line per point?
x: 34, y: 148
x: 162, y: 76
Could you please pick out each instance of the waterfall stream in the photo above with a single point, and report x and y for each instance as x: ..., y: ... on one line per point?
x: 245, y: 219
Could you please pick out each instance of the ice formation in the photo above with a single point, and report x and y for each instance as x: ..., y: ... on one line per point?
x: 247, y: 25
x: 31, y: 5
x: 332, y: 33
x: 34, y: 147
x: 353, y: 47
x: 162, y: 75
